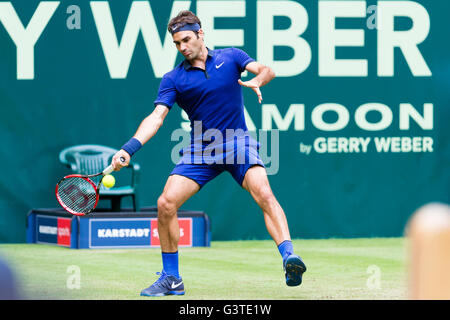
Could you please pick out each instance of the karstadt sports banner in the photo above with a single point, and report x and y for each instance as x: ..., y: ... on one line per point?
x: 353, y: 129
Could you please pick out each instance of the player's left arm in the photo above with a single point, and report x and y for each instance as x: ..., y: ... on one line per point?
x: 264, y: 75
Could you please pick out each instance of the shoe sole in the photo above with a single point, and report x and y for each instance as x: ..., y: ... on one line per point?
x: 169, y: 293
x: 294, y: 271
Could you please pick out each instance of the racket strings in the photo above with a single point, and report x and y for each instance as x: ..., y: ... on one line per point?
x: 77, y: 194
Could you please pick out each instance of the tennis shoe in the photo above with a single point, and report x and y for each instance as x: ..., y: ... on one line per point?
x: 293, y: 268
x: 164, y: 286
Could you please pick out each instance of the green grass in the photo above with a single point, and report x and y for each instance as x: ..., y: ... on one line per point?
x: 231, y: 270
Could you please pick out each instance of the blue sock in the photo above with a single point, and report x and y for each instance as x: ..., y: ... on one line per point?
x: 286, y: 249
x: 170, y: 263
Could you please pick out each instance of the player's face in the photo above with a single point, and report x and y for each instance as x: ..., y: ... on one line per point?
x: 189, y: 43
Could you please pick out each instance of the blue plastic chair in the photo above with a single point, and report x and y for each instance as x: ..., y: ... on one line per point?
x: 90, y: 159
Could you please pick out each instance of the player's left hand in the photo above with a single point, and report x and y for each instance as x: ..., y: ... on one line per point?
x: 254, y: 85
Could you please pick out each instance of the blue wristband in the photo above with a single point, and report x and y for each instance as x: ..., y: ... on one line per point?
x: 132, y: 146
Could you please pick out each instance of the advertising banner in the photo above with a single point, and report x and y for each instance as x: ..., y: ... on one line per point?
x: 353, y: 129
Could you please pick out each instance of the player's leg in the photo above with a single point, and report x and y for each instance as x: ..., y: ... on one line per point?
x: 257, y: 184
x: 184, y: 181
x: 177, y: 190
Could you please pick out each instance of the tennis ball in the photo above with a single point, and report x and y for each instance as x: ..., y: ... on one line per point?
x: 109, y: 181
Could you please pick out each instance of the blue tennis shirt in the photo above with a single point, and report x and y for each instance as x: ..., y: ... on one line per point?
x: 212, y: 96
x: 213, y: 100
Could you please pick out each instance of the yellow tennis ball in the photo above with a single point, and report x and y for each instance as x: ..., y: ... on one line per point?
x: 109, y: 181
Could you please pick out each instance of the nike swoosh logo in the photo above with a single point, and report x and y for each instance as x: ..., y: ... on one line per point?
x: 219, y: 65
x: 173, y: 286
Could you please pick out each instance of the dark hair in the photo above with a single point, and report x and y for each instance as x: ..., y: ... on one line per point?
x: 183, y: 18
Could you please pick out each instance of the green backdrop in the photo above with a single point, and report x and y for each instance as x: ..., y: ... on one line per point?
x: 68, y: 94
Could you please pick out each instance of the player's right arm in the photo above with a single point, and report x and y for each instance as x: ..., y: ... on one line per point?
x: 151, y: 124
x: 146, y: 130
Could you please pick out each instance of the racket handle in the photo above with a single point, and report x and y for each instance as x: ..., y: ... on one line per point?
x: 110, y: 168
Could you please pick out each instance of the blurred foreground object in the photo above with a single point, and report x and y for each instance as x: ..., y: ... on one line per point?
x: 8, y: 289
x: 428, y: 234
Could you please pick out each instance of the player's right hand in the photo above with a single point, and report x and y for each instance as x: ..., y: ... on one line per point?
x: 117, y: 163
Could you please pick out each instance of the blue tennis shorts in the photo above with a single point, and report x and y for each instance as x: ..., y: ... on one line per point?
x: 205, y: 168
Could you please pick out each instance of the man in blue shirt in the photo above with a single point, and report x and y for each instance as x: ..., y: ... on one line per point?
x: 208, y: 87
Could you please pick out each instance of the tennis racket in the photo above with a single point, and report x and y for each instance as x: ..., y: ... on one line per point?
x: 78, y: 194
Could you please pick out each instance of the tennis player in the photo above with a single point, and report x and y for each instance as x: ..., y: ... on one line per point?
x: 207, y: 86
